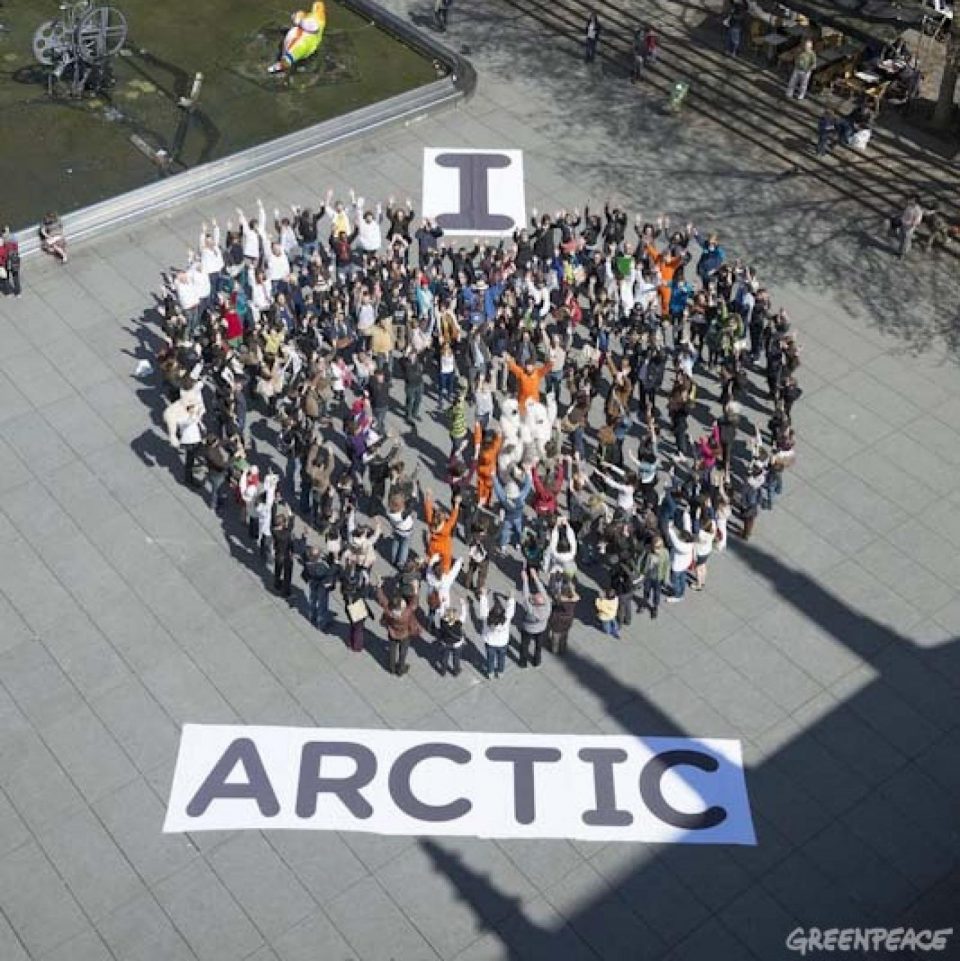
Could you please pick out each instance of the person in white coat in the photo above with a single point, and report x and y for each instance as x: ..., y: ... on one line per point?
x: 496, y: 630
x: 439, y: 586
x: 682, y: 548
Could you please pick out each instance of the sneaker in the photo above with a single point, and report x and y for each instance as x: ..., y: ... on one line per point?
x: 653, y: 613
x: 674, y: 600
x: 403, y: 671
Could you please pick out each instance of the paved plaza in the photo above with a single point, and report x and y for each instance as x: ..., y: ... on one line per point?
x: 829, y: 645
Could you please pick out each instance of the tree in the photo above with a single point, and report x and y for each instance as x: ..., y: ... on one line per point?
x: 943, y: 111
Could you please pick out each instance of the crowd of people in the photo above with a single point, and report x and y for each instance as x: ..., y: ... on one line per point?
x: 593, y: 376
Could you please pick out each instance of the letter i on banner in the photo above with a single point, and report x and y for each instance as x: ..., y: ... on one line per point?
x: 474, y: 192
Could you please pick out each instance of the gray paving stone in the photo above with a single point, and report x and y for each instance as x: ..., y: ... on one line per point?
x: 89, y: 753
x: 542, y: 861
x: 13, y: 472
x: 451, y: 891
x: 11, y: 947
x: 611, y: 929
x: 322, y: 860
x: 916, y: 852
x: 92, y: 865
x: 82, y: 429
x: 133, y: 815
x: 37, y: 444
x: 36, y: 902
x: 732, y: 694
x: 369, y: 920
x: 651, y: 889
x: 86, y: 657
x: 868, y: 880
x: 852, y: 740
x: 32, y: 589
x: 809, y: 894
x: 40, y: 688
x: 13, y: 404
x: 206, y: 915
x: 312, y: 937
x: 88, y: 946
x: 186, y: 694
x: 138, y: 723
x: 263, y: 885
x: 711, y: 939
x: 772, y: 672
x: 757, y: 920
x: 141, y: 931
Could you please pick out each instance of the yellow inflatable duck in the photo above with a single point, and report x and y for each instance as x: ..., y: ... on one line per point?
x: 303, y: 38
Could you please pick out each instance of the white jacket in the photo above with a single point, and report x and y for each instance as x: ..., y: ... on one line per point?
x: 369, y: 235
x: 498, y: 636
x: 681, y: 551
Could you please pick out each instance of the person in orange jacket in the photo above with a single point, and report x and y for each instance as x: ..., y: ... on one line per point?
x: 486, y: 445
x: 440, y: 527
x: 529, y: 379
x: 667, y: 266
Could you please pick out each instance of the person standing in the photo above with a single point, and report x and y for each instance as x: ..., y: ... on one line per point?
x: 562, y: 616
x: 450, y: 637
x: 9, y: 264
x: 607, y: 607
x: 656, y: 570
x: 591, y: 36
x: 320, y: 574
x: 803, y: 67
x: 496, y: 631
x: 282, y: 532
x: 681, y: 556
x: 191, y: 436
x: 353, y: 585
x: 910, y: 220
x: 411, y: 368
x: 826, y: 131
x: 537, y: 608
x: 734, y: 25
x: 400, y: 620
x: 441, y: 10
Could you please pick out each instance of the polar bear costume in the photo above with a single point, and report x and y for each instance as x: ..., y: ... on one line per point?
x: 537, y: 427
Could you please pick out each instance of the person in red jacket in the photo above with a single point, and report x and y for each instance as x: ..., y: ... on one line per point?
x: 546, y: 491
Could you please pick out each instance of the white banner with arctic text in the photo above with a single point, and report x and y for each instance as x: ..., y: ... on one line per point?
x: 590, y: 787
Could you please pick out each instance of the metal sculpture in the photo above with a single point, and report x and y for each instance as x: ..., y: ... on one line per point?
x: 78, y: 46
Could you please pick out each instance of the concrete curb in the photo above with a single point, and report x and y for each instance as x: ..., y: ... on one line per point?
x: 190, y: 184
